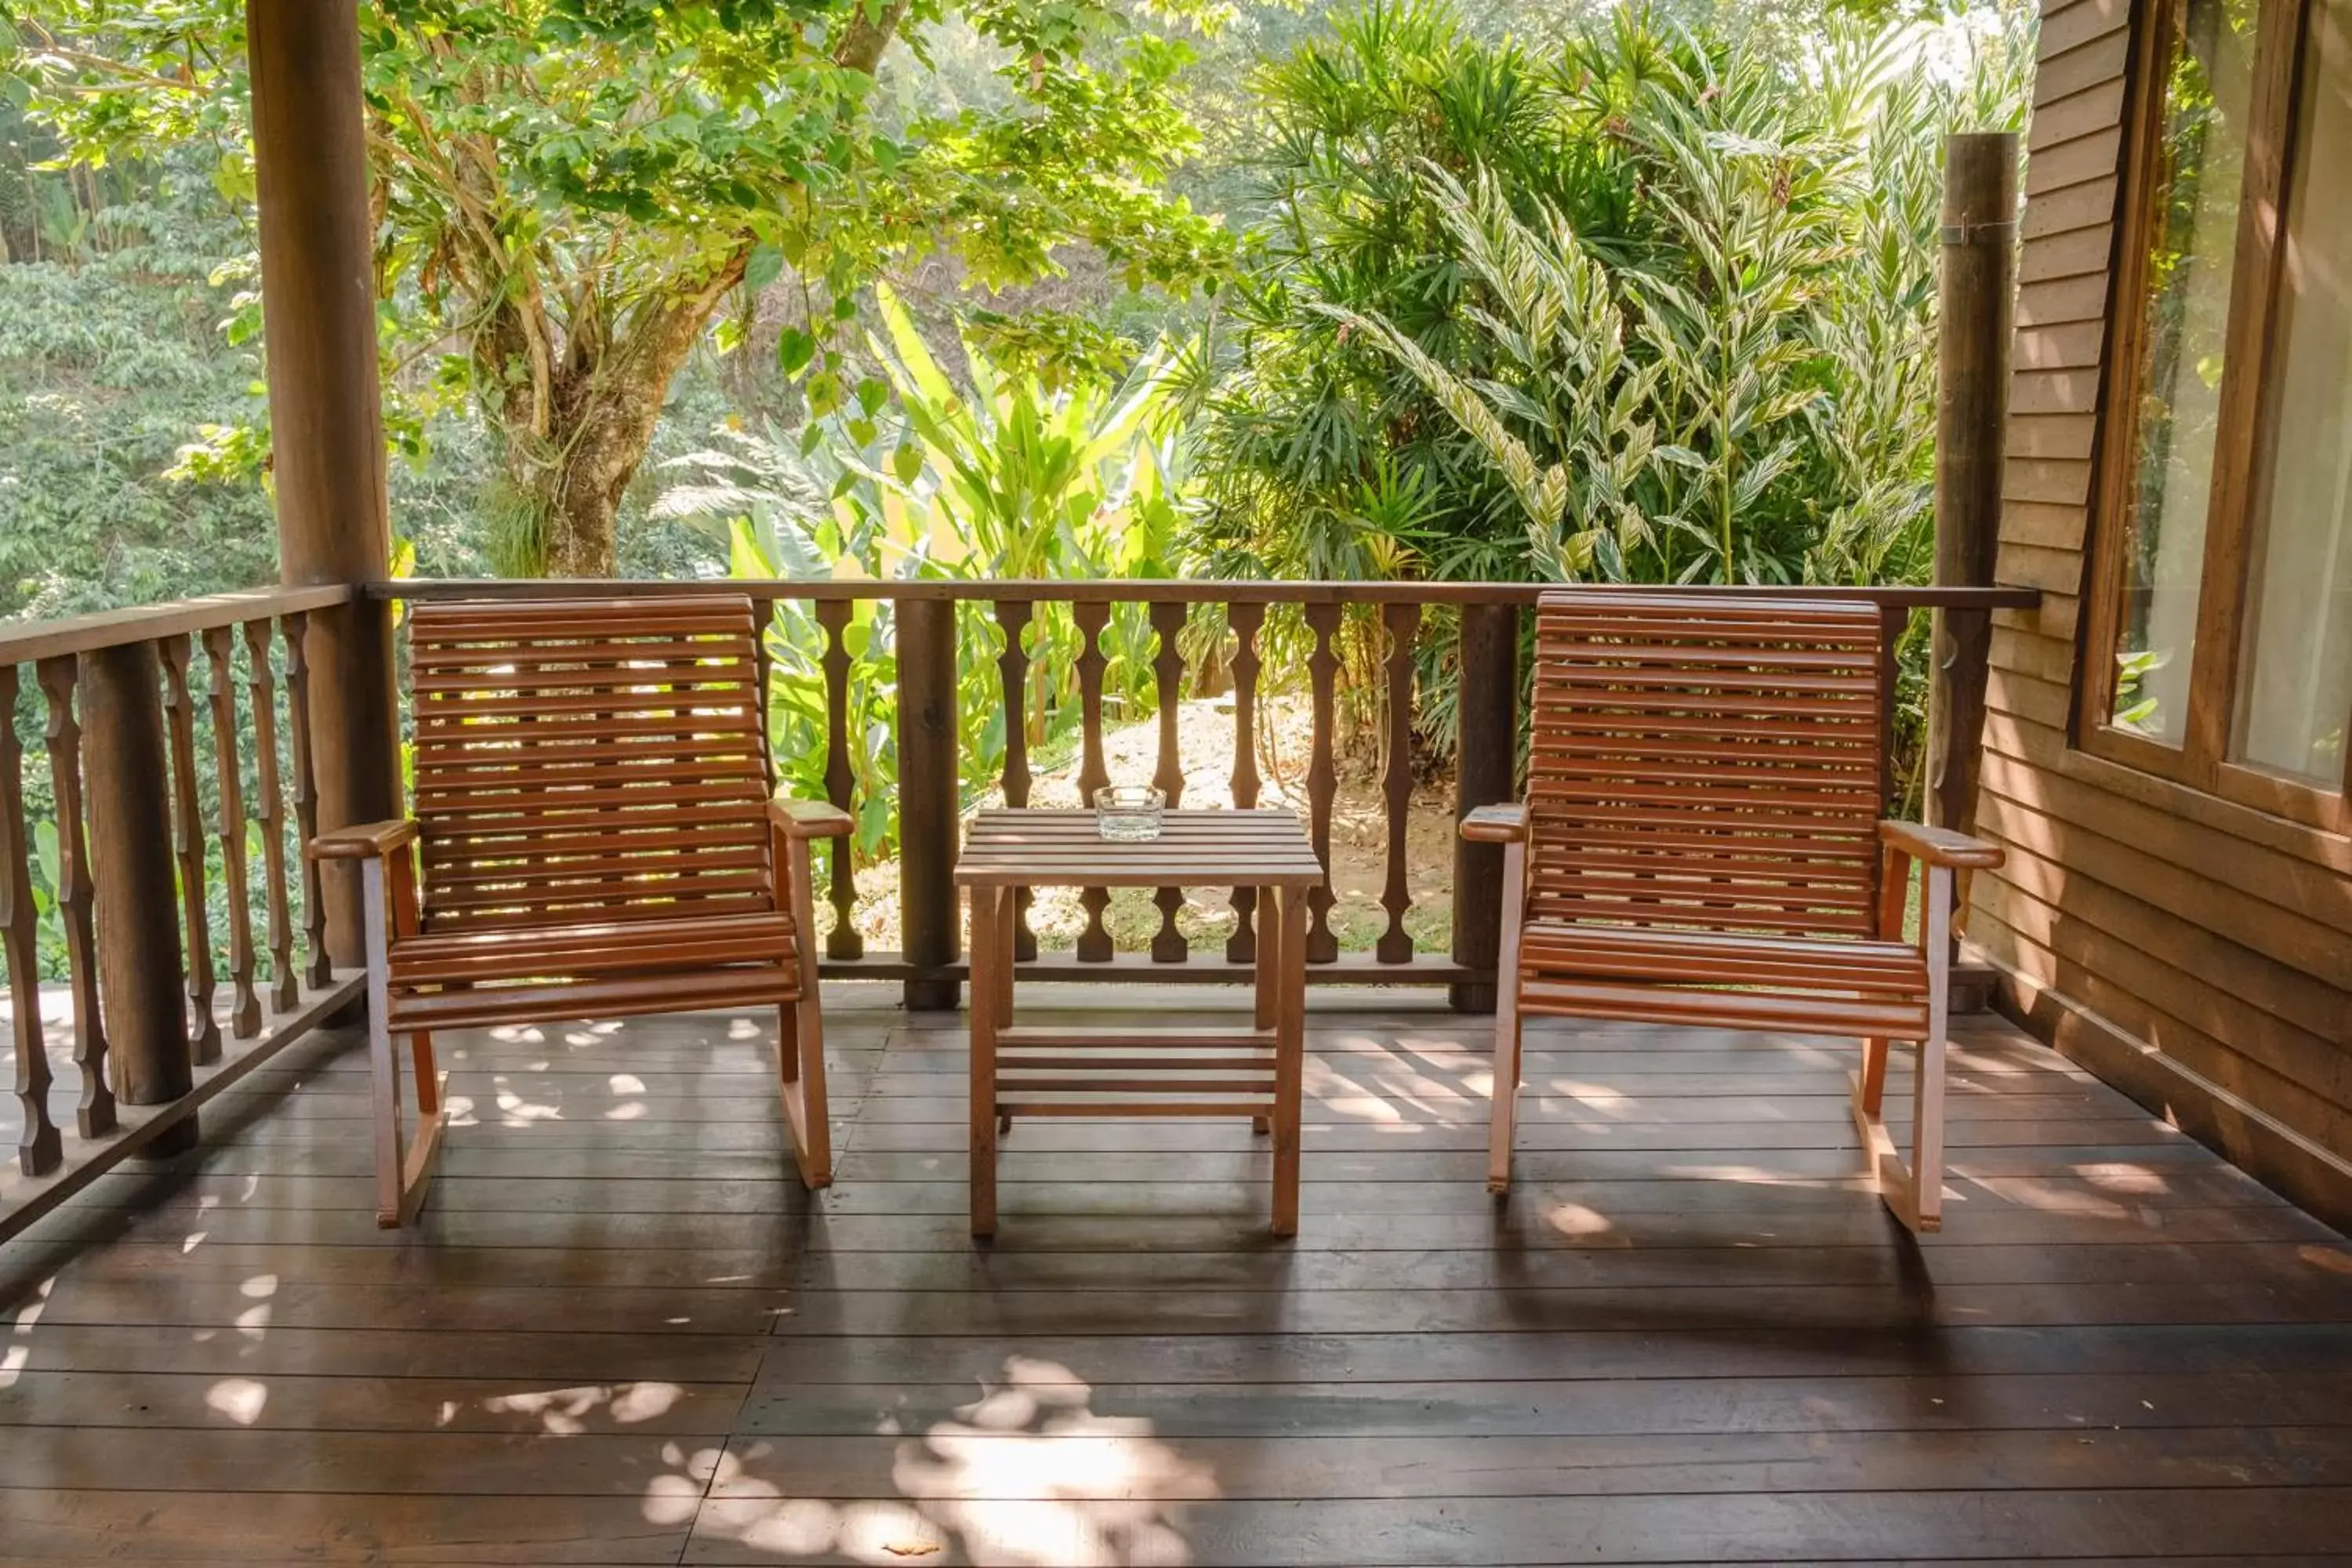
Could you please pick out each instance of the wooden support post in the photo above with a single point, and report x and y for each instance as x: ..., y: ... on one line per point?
x: 1979, y: 282
x: 1487, y: 715
x: 318, y: 289
x: 927, y: 796
x: 125, y: 783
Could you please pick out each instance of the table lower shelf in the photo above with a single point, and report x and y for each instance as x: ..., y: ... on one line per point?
x: 1180, y: 1073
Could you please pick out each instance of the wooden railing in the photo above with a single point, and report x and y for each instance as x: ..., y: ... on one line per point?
x: 1391, y: 620
x: 169, y: 735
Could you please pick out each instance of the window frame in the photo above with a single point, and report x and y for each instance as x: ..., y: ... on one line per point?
x: 2242, y: 440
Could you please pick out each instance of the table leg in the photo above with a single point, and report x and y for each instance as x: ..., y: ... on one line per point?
x: 1268, y: 976
x: 987, y: 992
x: 1008, y: 954
x: 1289, y: 1055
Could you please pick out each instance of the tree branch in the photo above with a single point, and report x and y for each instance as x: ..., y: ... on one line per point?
x: 869, y: 33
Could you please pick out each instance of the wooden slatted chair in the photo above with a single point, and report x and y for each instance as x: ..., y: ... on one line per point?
x: 598, y: 840
x: 1701, y: 844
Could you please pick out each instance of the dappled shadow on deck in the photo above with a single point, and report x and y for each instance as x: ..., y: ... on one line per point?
x: 623, y: 1333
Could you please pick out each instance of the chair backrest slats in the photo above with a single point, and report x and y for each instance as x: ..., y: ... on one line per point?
x: 1706, y: 761
x: 582, y: 761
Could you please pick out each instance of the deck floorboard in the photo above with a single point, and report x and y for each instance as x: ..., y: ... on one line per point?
x: 622, y: 1333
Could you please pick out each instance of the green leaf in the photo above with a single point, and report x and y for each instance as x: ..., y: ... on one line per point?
x: 764, y: 267
x: 794, y: 349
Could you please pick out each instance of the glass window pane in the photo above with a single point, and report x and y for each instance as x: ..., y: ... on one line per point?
x: 2200, y: 170
x: 2295, y: 662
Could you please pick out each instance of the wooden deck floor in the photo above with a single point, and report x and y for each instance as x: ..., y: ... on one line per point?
x: 622, y: 1335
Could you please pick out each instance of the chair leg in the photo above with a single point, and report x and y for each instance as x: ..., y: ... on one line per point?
x: 1503, y: 1116
x: 1913, y: 1189
x: 1870, y: 1083
x: 1926, y: 1195
x: 428, y: 1077
x: 404, y: 1169
x: 800, y: 1034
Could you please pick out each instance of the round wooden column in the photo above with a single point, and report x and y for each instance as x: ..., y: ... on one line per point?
x: 317, y: 293
x: 1979, y: 282
x: 130, y: 858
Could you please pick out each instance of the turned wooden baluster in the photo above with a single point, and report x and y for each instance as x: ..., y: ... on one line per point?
x: 1401, y: 622
x: 40, y: 1147
x: 1245, y: 619
x: 763, y: 621
x: 94, y: 1116
x: 834, y: 616
x: 1092, y: 616
x: 188, y: 849
x: 244, y: 1006
x: 1013, y: 664
x: 285, y: 987
x: 1322, y: 777
x: 317, y: 972
x: 1894, y: 620
x: 1168, y: 944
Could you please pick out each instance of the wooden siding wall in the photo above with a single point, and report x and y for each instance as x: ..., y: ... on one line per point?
x: 2195, y: 953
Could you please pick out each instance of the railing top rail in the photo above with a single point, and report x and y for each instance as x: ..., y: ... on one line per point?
x: 31, y: 640
x: 1144, y: 590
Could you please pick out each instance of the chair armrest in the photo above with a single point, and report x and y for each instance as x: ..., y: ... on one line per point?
x: 1495, y: 825
x: 1940, y: 845
x: 808, y: 818
x: 363, y: 840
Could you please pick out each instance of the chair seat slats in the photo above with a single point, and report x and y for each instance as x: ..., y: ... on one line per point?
x: 572, y: 952
x: 1721, y: 958
x: 1803, y: 1013
x: 622, y: 998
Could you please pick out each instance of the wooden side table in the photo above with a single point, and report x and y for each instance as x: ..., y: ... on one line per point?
x: 1251, y: 1072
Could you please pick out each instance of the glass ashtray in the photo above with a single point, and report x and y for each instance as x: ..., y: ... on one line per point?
x: 1128, y: 814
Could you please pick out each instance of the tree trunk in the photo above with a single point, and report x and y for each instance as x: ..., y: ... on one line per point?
x: 582, y: 499
x: 602, y: 404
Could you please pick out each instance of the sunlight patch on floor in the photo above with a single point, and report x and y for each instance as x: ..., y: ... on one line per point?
x: 241, y: 1399
x: 565, y: 1412
x: 1027, y: 1474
